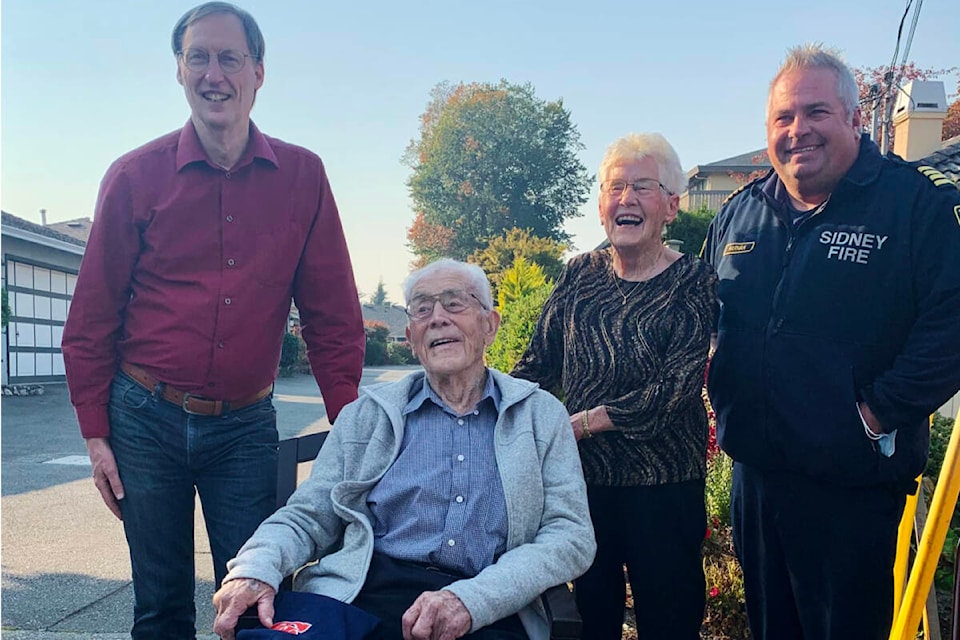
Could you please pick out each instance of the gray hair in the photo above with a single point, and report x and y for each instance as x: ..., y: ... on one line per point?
x: 475, y: 277
x: 637, y: 146
x: 250, y: 28
x: 817, y: 56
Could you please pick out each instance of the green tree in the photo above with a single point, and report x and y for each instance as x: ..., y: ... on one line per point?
x: 293, y: 354
x: 491, y: 157
x: 518, y: 320
x: 691, y: 228
x: 501, y: 251
x: 379, y: 297
x: 376, y: 347
x: 519, y: 280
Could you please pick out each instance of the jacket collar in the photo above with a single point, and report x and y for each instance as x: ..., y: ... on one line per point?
x: 396, y: 395
x: 425, y: 392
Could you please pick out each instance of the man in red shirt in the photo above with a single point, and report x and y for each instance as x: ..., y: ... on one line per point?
x: 200, y: 240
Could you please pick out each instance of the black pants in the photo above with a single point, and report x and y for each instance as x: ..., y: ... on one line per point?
x: 817, y: 558
x: 393, y: 585
x: 657, y: 532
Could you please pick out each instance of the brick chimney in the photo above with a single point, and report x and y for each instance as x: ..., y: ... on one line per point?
x: 918, y: 117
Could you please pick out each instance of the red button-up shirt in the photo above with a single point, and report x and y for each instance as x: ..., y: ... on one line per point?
x: 190, y: 269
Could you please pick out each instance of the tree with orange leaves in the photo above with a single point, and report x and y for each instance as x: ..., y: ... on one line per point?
x: 876, y: 79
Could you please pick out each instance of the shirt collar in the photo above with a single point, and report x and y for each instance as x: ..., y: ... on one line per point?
x: 189, y: 149
x: 422, y: 391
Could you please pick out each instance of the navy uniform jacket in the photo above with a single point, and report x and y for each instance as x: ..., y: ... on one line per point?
x: 860, y: 301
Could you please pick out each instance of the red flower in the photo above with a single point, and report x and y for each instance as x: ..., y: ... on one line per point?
x: 714, y: 592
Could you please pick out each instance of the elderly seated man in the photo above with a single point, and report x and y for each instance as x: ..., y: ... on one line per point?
x: 443, y: 503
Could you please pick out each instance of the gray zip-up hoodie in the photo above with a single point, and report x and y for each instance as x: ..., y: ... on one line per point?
x: 550, y: 537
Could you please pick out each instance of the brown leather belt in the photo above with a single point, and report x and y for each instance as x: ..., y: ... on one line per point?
x: 192, y: 404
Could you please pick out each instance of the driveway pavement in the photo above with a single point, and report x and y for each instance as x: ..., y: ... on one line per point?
x: 66, y: 572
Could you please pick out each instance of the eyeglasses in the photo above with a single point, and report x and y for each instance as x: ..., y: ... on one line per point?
x: 643, y: 188
x: 198, y: 60
x: 421, y: 307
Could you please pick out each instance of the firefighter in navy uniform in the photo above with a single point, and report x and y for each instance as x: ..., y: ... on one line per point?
x: 839, y: 333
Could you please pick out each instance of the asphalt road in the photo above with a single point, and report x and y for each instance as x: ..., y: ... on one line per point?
x: 66, y: 572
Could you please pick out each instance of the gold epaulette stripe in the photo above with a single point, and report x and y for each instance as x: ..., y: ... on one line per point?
x: 735, y: 192
x: 935, y: 176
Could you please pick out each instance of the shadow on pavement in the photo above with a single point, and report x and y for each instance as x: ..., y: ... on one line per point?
x: 71, y: 602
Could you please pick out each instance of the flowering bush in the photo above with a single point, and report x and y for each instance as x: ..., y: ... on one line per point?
x: 726, y: 614
x: 717, y: 494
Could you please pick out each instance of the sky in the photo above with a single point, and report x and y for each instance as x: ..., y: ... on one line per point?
x: 82, y: 82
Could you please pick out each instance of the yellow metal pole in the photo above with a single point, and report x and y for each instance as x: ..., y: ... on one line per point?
x: 904, y: 536
x: 907, y: 620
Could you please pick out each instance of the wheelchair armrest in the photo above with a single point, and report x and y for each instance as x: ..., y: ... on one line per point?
x: 561, y: 608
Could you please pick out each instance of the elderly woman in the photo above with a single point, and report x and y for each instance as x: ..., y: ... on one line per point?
x: 443, y: 503
x: 625, y: 336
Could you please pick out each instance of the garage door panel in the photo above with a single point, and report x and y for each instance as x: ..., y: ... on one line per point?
x: 39, y: 302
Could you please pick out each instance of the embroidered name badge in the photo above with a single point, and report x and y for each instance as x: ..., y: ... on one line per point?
x: 734, y: 248
x: 293, y: 628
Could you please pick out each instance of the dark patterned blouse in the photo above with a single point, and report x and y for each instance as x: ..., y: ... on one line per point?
x: 640, y: 350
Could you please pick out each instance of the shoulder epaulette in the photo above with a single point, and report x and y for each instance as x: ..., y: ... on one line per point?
x: 744, y: 187
x: 935, y: 176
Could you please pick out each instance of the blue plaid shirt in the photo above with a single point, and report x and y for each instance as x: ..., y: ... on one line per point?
x: 441, y: 502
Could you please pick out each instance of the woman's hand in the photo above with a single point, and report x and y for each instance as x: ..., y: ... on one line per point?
x: 586, y: 424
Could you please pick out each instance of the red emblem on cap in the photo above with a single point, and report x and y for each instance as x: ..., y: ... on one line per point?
x: 293, y: 628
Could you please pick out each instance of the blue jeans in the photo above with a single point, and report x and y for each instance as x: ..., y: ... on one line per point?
x: 165, y: 456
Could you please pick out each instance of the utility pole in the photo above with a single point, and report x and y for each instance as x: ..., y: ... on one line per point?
x: 876, y: 113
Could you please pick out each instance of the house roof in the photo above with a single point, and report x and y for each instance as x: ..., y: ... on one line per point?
x: 10, y: 220
x: 79, y: 228
x: 391, y: 315
x: 745, y: 162
x: 946, y: 159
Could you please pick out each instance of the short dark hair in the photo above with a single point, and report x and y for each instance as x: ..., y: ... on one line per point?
x: 254, y: 37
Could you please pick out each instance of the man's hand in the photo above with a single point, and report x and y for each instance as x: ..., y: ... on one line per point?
x: 105, y: 474
x: 872, y: 422
x: 235, y: 597
x: 436, y: 615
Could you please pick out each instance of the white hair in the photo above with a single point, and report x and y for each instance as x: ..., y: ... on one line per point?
x: 637, y: 146
x: 476, y: 279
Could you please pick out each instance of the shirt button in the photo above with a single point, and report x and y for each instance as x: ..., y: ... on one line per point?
x: 229, y: 218
x: 220, y: 345
x: 227, y: 174
x: 460, y: 421
x: 459, y: 498
x: 476, y: 412
x: 460, y: 458
x: 227, y: 301
x: 451, y: 542
x: 231, y: 262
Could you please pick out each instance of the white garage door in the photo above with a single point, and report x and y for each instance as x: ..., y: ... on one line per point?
x: 39, y: 298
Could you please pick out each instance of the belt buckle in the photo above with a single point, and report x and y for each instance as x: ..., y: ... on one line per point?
x: 183, y: 405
